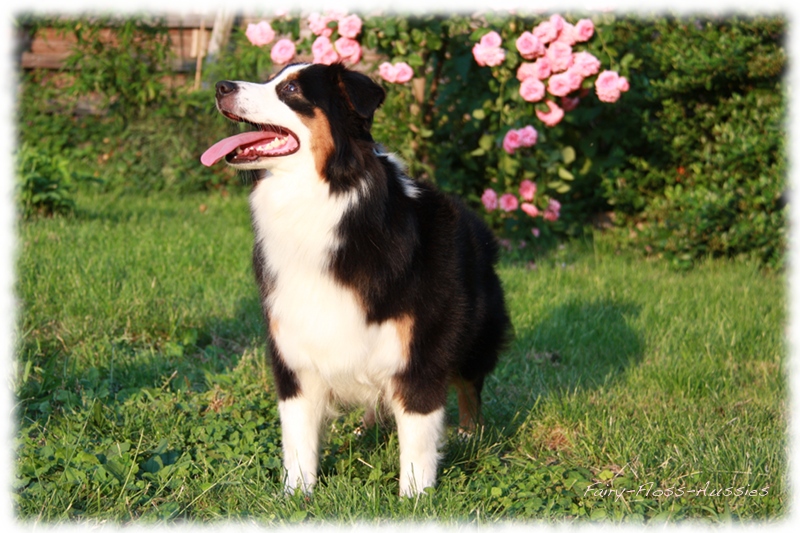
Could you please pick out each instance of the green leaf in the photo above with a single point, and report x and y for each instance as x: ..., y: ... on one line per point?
x: 486, y: 142
x: 568, y: 153
x: 116, y: 469
x: 434, y: 42
x: 605, y: 475
x: 479, y: 114
x: 510, y: 165
x: 415, y: 60
x: 371, y: 40
x: 565, y: 174
x: 153, y: 465
x: 587, y: 166
x: 626, y: 60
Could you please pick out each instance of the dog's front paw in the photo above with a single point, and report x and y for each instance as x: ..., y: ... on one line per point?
x: 298, y: 481
x: 413, y: 490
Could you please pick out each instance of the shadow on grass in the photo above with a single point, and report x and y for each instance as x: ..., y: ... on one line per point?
x: 120, y: 364
x: 576, y: 346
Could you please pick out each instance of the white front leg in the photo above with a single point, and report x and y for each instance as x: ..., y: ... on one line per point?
x: 420, y: 437
x: 301, y: 418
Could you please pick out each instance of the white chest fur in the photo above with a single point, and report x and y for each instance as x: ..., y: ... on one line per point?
x: 319, y: 325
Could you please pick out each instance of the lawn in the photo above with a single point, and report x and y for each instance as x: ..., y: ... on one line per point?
x: 631, y: 392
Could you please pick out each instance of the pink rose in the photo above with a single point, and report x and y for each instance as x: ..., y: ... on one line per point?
x: 529, y: 46
x: 584, y: 29
x: 527, y: 190
x: 585, y: 63
x: 553, y: 116
x: 404, y: 72
x: 489, y: 200
x: 608, y: 80
x: 388, y: 72
x: 318, y: 24
x: 557, y: 21
x: 508, y: 202
x: 545, y: 32
x: 607, y: 86
x: 568, y: 34
x: 283, y: 51
x: 623, y: 84
x: 532, y: 90
x: 492, y: 40
x: 552, y: 211
x: 535, y: 232
x: 526, y: 70
x: 350, y: 26
x: 398, y: 73
x: 575, y: 78
x: 528, y: 136
x: 511, y: 141
x: 488, y: 57
x: 530, y: 209
x: 260, y: 34
x: 323, y: 51
x: 542, y: 68
x: 348, y: 49
x: 559, y: 84
x: 560, y: 56
x: 568, y: 104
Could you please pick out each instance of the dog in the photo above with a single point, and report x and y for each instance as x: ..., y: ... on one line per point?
x: 377, y: 290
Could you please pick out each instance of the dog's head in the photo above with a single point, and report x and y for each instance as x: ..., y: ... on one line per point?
x: 317, y: 115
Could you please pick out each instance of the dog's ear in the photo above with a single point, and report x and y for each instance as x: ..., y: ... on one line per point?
x: 365, y: 95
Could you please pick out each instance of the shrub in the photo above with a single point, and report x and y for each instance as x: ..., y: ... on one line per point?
x: 144, y: 133
x: 691, y: 158
x: 127, y: 69
x: 45, y: 184
x: 705, y: 160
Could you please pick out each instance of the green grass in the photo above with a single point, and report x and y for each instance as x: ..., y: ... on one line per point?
x: 143, y: 394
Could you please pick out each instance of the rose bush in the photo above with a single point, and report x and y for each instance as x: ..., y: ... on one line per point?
x: 691, y: 159
x: 478, y: 104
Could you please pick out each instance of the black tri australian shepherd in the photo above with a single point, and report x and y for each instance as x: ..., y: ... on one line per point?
x: 377, y: 290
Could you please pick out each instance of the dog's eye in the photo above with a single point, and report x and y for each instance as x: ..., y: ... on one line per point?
x: 290, y: 88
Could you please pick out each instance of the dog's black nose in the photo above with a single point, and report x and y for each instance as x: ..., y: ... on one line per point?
x: 225, y: 88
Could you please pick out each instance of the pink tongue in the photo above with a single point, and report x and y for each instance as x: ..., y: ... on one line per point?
x: 228, y: 145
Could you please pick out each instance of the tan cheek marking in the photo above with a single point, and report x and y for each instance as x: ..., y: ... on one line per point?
x: 321, y: 140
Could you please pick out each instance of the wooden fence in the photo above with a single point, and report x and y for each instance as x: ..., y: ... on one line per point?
x: 192, y: 37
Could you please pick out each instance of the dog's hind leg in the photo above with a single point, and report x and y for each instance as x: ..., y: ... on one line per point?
x: 469, y: 404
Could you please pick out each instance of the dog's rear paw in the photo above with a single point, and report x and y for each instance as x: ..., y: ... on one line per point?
x: 465, y: 434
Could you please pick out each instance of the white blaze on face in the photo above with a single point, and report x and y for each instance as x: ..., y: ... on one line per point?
x: 286, y: 140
